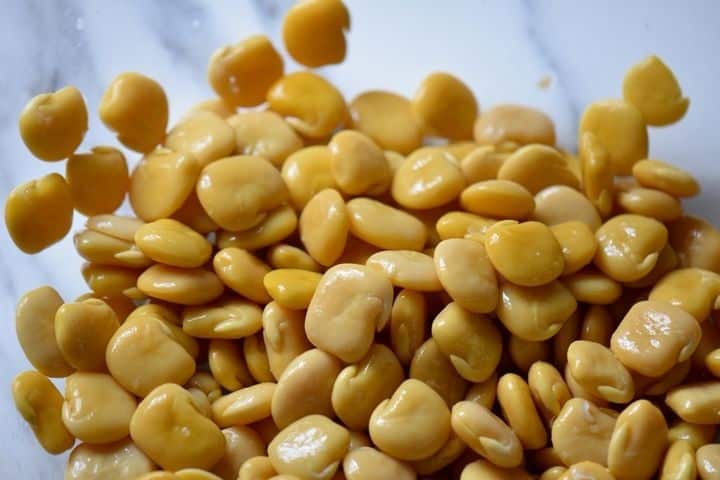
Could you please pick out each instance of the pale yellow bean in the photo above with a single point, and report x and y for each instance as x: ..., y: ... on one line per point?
x: 408, y: 319
x: 406, y: 269
x: 559, y: 204
x: 226, y: 318
x: 548, y: 389
x: 651, y: 86
x: 307, y: 172
x: 694, y: 290
x: 696, y: 242
x: 324, y: 226
x: 597, y: 173
x: 244, y: 406
x: 679, y: 462
x: 384, y: 226
x: 206, y: 135
x: 696, y: 402
x: 122, y: 460
x: 536, y: 167
x: 432, y: 367
x: 367, y: 462
x: 388, y: 119
x: 172, y: 243
x: 514, y: 123
x: 264, y: 134
x: 98, y: 180
x: 241, y: 444
x: 242, y: 272
x: 517, y: 406
x: 428, y: 178
x: 358, y: 164
x: 445, y: 106
x: 581, y: 432
x: 284, y: 336
x: 314, y: 32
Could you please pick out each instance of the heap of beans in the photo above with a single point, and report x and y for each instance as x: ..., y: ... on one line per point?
x: 313, y: 289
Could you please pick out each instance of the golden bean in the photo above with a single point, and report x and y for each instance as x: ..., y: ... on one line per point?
x: 105, y: 249
x: 679, y: 463
x: 535, y: 313
x: 486, y: 434
x: 432, y: 367
x: 52, y: 125
x: 35, y: 329
x: 39, y: 213
x: 172, y: 243
x: 651, y: 86
x: 428, y: 178
x: 83, y: 330
x: 192, y: 214
x: 650, y: 203
x: 694, y: 290
x: 241, y: 74
x: 98, y: 180
x: 227, y: 364
x: 242, y: 272
x: 498, y: 198
x: 147, y: 351
x: 536, y: 167
x: 413, y: 424
x: 708, y: 462
x: 184, y: 286
x: 696, y: 242
x: 462, y: 225
x: 283, y: 255
x: 122, y: 460
x: 284, y: 335
x: 136, y: 109
x: 638, y: 442
x: 629, y: 246
x: 582, y: 432
x: 712, y: 362
x: 577, y: 243
x: 205, y: 135
x: 314, y: 32
x: 406, y: 269
x: 407, y: 324
x: 388, y: 119
x: 350, y: 303
x: 597, y: 325
x: 218, y: 106
x: 307, y: 172
x: 666, y: 178
x: 243, y: 406
x: 482, y: 163
x: 597, y: 173
x: 696, y: 402
x: 367, y: 462
x: 311, y: 447
x: 238, y: 192
x: 451, y: 451
x: 470, y: 340
x: 305, y: 387
x: 597, y: 371
x: 589, y: 286
x: 264, y: 134
x: 256, y: 468
x: 256, y: 358
x: 96, y: 408
x: 291, y: 288
x: 578, y: 391
x: 40, y: 403
x: 620, y: 128
x: 695, y: 435
x: 514, y: 123
x: 654, y: 336
x: 709, y: 341
x: 561, y: 204
x: 445, y: 106
x: 483, y: 470
x: 227, y: 318
x: 277, y: 225
x: 548, y: 389
x: 519, y: 411
x: 384, y: 226
x: 168, y: 416
x: 361, y: 386
x: 205, y: 382
x: 324, y: 226
x: 310, y: 104
x: 241, y: 444
x: 524, y: 353
x: 358, y: 165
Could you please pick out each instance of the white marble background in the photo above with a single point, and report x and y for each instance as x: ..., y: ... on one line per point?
x: 502, y: 49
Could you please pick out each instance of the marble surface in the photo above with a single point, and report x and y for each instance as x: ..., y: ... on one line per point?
x: 503, y: 49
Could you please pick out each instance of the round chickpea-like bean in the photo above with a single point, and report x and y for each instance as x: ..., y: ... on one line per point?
x: 350, y: 303
x: 384, y: 226
x: 388, y: 119
x: 412, y: 424
x: 651, y: 86
x: 122, y: 460
x: 311, y: 447
x: 241, y: 74
x: 314, y: 32
x: 679, y: 462
x: 40, y: 404
x: 135, y: 107
x: 638, y: 441
x: 39, y: 213
x: 264, y: 134
x: 168, y: 416
x: 470, y: 340
x: 654, y: 336
x: 560, y: 204
x: 361, y: 386
x: 205, y: 135
x: 310, y: 104
x: 324, y: 226
x: 445, y: 106
x: 432, y: 367
x: 536, y: 167
x: 620, y: 128
x: 582, y: 432
x: 514, y: 123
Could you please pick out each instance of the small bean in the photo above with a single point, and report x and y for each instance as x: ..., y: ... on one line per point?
x: 98, y: 180
x: 548, y: 389
x: 324, y: 226
x: 172, y: 243
x: 666, y: 178
x: 39, y: 213
x: 388, y: 119
x: 136, y: 109
x: 104, y: 249
x: 620, y: 128
x: 498, y: 198
x: 384, y: 226
x: 284, y: 336
x: 428, y: 178
x: 277, y: 225
x: 52, y: 125
x: 595, y: 368
x: 122, y: 460
x: 654, y: 336
x: 168, y: 416
x: 227, y: 318
x: 577, y: 243
x: 482, y: 163
x: 205, y: 135
x: 650, y: 203
x: 524, y: 353
x: 256, y: 468
x: 536, y: 167
x: 445, y: 106
x: 283, y: 255
x: 40, y: 403
x: 292, y: 288
x: 184, y: 286
x: 83, y: 331
x: 310, y: 104
x: 597, y: 325
x: 264, y: 134
x: 358, y: 165
x: 238, y: 192
x: 243, y: 406
x: 651, y: 86
x: 242, y: 272
x: 350, y: 303
x: 679, y: 462
x: 314, y: 32
x: 241, y: 74
x: 432, y: 367
x: 408, y: 317
x: 413, y: 424
x: 582, y: 432
x: 256, y: 358
x: 514, y: 123
x: 227, y: 364
x: 696, y: 402
x: 241, y: 444
x: 519, y: 411
x: 560, y: 204
x: 462, y: 225
x: 694, y: 290
x: 696, y: 242
x: 589, y: 286
x: 307, y: 172
x: 406, y: 269
x: 597, y: 173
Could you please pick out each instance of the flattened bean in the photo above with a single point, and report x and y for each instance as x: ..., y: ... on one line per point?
x: 428, y: 178
x: 514, y: 123
x: 651, y: 86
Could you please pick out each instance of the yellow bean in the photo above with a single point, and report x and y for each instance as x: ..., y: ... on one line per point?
x: 548, y: 389
x: 694, y: 290
x: 516, y: 402
x: 307, y: 172
x: 205, y: 135
x: 98, y: 180
x: 432, y: 367
x: 324, y: 226
x: 185, y: 286
x: 498, y: 198
x: 651, y: 86
x: 595, y: 368
x: 388, y: 119
x: 561, y: 204
x: 244, y: 406
x: 122, y: 460
x: 283, y: 255
x: 582, y: 432
x: 536, y: 167
x: 241, y: 444
x: 696, y: 402
x: 384, y: 226
x: 291, y: 288
x: 264, y: 134
x: 482, y: 163
x: 577, y: 243
x: 218, y: 106
x: 524, y: 353
x: 407, y: 324
x: 242, y: 272
x: 696, y: 242
x: 514, y: 123
x: 406, y: 269
x: 462, y: 225
x: 592, y: 287
x: 276, y: 225
x: 428, y: 178
x: 227, y: 364
x: 483, y: 470
x: 679, y: 463
x: 256, y: 358
x: 172, y: 243
x: 83, y: 331
x: 708, y: 462
x: 445, y: 106
x: 284, y: 336
x: 666, y: 178
x: 597, y: 173
x: 314, y: 32
x: 227, y: 318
